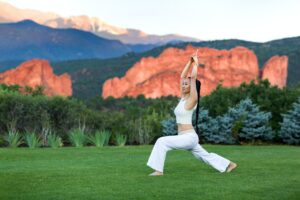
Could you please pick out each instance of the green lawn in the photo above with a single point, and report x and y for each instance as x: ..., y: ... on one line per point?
x: 264, y: 172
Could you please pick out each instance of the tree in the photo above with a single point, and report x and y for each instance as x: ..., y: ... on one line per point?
x: 290, y: 127
x: 214, y: 130
x: 254, y: 124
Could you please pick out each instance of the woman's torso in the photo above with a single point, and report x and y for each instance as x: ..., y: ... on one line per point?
x: 183, y: 127
x: 185, y: 118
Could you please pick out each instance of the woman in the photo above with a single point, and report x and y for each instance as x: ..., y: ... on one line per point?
x: 187, y: 137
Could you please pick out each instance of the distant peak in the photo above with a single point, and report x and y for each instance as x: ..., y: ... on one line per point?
x: 27, y: 22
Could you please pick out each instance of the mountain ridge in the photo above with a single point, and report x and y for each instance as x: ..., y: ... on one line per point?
x: 10, y: 13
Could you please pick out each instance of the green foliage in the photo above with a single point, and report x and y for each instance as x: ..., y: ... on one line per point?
x: 32, y: 140
x: 268, y: 98
x: 42, y: 114
x: 138, y: 118
x: 77, y: 137
x: 290, y: 127
x: 107, y: 136
x: 100, y: 138
x: 2, y: 141
x: 121, y: 139
x: 254, y: 123
x: 139, y: 131
x: 214, y: 130
x: 36, y: 91
x: 169, y: 126
x: 14, y: 139
x: 9, y: 88
x: 143, y: 120
x: 54, y: 141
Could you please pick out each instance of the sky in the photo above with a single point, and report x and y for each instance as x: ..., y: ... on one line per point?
x: 252, y: 20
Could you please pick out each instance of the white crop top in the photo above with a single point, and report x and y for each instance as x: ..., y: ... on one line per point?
x: 183, y: 116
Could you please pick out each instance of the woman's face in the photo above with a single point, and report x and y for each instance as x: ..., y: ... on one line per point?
x: 186, y: 83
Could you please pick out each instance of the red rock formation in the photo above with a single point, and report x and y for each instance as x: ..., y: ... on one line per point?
x: 155, y: 77
x: 275, y: 70
x: 38, y: 72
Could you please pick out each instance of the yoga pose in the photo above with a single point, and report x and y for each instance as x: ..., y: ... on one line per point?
x: 187, y: 137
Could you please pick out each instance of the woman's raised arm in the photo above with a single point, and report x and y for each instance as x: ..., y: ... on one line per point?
x: 193, y: 91
x: 186, y: 68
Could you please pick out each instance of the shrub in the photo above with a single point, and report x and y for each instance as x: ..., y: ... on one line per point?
x: 32, y: 140
x: 121, y: 139
x: 100, y: 138
x: 14, y: 139
x: 54, y: 141
x: 77, y: 137
x: 107, y: 135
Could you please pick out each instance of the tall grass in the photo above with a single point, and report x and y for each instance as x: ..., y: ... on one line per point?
x: 100, y: 138
x: 13, y: 138
x: 107, y: 135
x: 77, y: 137
x: 32, y: 140
x: 54, y: 141
x: 121, y: 139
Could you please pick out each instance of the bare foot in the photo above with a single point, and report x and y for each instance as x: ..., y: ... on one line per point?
x: 231, y: 166
x: 156, y: 173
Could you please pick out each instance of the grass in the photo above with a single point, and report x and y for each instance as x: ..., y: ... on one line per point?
x: 264, y: 172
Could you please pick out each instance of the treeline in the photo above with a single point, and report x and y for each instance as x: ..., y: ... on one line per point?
x: 247, y: 114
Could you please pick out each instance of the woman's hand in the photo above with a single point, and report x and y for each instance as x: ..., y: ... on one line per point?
x: 194, y: 57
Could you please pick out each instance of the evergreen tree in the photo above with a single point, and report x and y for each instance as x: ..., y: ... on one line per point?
x: 169, y: 126
x: 290, y: 127
x: 251, y: 123
x: 215, y: 130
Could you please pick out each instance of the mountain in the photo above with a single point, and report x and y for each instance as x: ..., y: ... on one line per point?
x: 9, y: 13
x: 26, y: 40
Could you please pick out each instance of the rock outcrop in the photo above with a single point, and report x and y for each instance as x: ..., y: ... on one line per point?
x: 38, y: 72
x: 275, y: 70
x: 156, y: 77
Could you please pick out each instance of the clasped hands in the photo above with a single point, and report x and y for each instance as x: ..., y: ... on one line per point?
x: 194, y: 58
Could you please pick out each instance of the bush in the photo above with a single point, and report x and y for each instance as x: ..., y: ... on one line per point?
x: 107, y: 136
x: 100, y: 138
x: 121, y: 139
x: 14, y: 139
x: 77, y: 137
x: 41, y: 114
x: 32, y: 140
x: 54, y: 141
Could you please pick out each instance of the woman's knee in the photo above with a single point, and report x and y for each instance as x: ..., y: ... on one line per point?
x: 160, y: 140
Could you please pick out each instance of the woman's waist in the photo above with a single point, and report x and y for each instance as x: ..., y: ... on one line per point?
x: 182, y: 127
x: 187, y: 128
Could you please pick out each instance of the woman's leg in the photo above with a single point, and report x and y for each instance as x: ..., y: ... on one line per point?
x: 216, y: 161
x: 164, y: 144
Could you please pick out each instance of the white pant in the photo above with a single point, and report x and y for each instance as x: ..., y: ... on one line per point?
x: 187, y: 140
